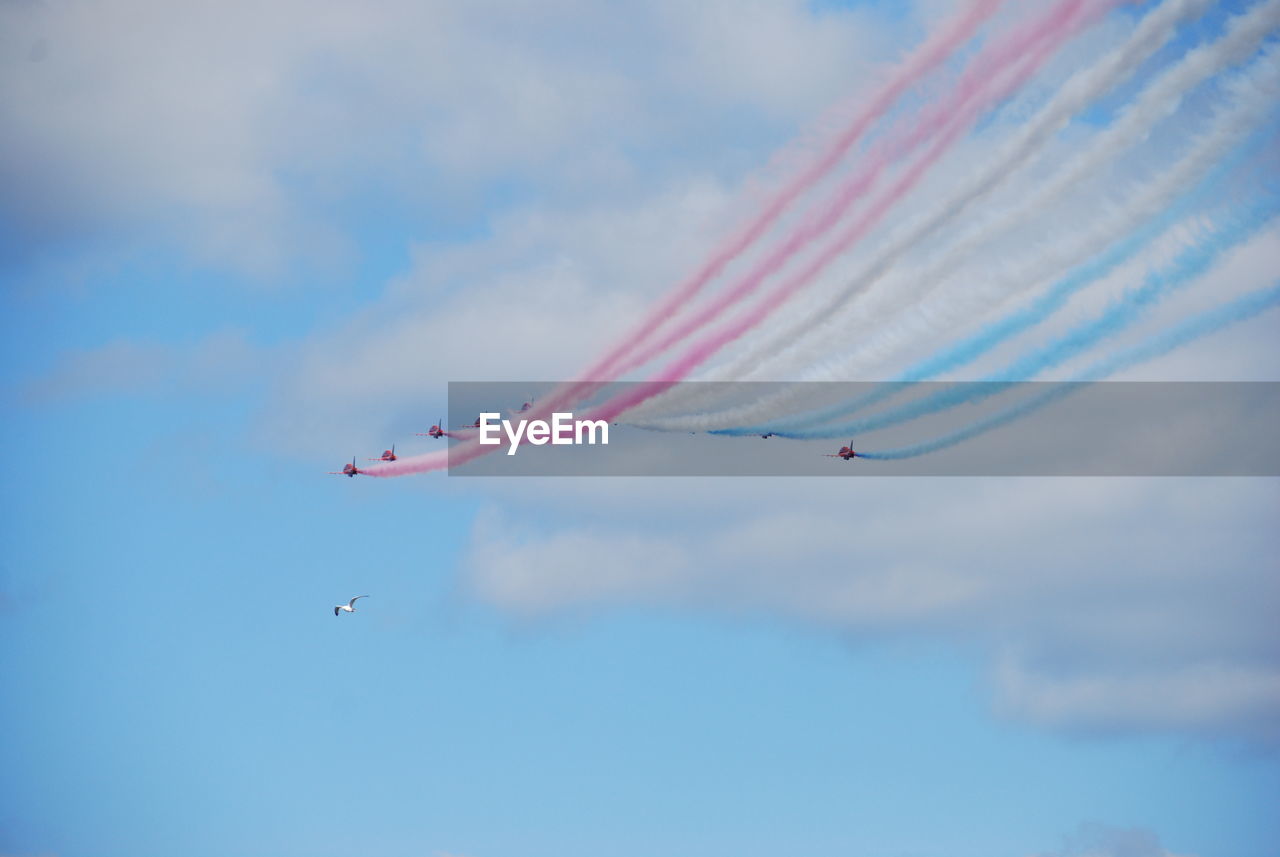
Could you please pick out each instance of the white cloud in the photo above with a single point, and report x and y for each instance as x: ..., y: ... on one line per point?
x: 1210, y: 694
x: 542, y: 573
x: 1100, y: 605
x: 242, y: 128
x: 528, y: 303
x: 1100, y: 840
x: 221, y: 360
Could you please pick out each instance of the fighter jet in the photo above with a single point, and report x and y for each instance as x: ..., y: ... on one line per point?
x: 846, y: 452
x: 347, y: 470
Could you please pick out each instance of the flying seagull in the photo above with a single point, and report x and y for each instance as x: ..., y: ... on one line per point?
x: 349, y: 607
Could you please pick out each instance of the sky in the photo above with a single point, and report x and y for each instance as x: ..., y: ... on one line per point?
x: 240, y: 244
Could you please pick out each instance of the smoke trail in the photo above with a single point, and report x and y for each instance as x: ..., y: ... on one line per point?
x: 1160, y: 197
x: 1051, y: 29
x: 1187, y: 266
x: 1242, y: 36
x: 1159, y: 98
x: 1158, y: 285
x: 425, y: 463
x: 973, y: 347
x: 926, y: 58
x: 978, y: 88
x: 1065, y: 20
x: 1236, y: 311
x: 437, y: 460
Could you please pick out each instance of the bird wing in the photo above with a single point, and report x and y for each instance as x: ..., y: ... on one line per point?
x: 337, y: 609
x: 352, y: 602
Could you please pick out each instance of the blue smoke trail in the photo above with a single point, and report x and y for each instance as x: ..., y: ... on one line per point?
x: 1182, y: 334
x: 968, y: 350
x: 1186, y: 267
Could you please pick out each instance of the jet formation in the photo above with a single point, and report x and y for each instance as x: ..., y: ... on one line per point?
x: 437, y: 430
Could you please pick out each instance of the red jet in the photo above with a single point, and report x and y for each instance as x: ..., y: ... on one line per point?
x: 387, y: 455
x: 846, y: 452
x: 347, y: 470
x: 474, y: 425
x: 434, y: 431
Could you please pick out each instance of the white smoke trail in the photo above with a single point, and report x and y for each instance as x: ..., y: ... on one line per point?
x: 1255, y: 98
x: 1161, y: 97
x: 1242, y: 40
x: 1078, y: 92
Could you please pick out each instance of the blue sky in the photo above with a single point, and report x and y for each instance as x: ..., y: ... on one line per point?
x: 244, y: 245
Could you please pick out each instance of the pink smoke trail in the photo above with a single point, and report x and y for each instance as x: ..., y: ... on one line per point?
x: 1066, y: 19
x: 1054, y: 27
x: 988, y: 64
x: 424, y: 463
x: 925, y: 59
